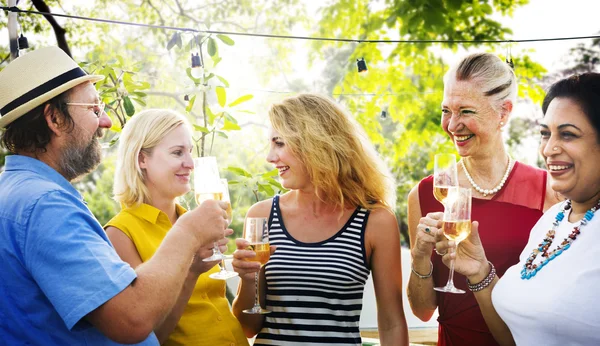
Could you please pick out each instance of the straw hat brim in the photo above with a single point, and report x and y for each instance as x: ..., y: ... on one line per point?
x: 9, y: 117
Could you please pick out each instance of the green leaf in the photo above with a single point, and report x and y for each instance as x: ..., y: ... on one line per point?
x: 486, y: 8
x: 143, y: 86
x: 224, y: 81
x: 190, y: 104
x: 141, y: 102
x: 222, y: 134
x: 233, y: 182
x: 212, y: 47
x: 266, y: 189
x: 221, y: 96
x: 241, y: 99
x: 216, y: 61
x: 230, y: 126
x: 173, y: 41
x: 210, y: 115
x: 274, y: 183
x: 239, y: 171
x: 229, y: 117
x: 129, y: 108
x: 138, y: 94
x: 271, y: 173
x: 188, y: 71
x: 201, y: 129
x: 179, y: 42
x: 226, y: 39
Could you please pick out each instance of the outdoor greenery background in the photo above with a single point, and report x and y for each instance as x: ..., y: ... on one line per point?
x: 243, y: 76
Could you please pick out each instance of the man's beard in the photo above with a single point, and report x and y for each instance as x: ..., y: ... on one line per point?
x: 81, y: 158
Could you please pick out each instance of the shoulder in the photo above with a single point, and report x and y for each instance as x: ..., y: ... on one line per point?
x: 524, y: 168
x: 121, y: 222
x: 382, y: 220
x: 260, y: 209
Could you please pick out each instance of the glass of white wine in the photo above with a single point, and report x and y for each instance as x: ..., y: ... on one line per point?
x: 457, y: 226
x: 256, y: 233
x: 445, y: 175
x: 208, y: 185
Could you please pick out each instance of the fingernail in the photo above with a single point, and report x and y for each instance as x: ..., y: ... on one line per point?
x: 451, y: 243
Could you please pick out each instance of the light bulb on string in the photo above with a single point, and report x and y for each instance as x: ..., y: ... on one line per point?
x: 197, y: 70
x: 361, y: 64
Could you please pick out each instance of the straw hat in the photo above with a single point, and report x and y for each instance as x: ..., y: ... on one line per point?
x: 35, y: 78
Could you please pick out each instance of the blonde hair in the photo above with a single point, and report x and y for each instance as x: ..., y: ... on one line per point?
x: 141, y: 134
x: 342, y: 164
x: 495, y: 78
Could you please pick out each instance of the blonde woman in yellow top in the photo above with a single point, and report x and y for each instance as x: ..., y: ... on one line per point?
x: 153, y: 169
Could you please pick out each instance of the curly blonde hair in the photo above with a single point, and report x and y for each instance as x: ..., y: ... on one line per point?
x: 341, y: 162
x: 141, y: 134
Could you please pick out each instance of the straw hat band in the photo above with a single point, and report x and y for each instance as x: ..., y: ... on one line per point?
x: 44, y: 88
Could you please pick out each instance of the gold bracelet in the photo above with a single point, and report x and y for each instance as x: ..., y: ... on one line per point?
x: 422, y: 276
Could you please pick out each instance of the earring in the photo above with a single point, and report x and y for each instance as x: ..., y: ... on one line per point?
x: 501, y: 123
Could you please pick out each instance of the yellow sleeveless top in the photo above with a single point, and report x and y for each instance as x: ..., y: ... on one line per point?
x: 207, y: 319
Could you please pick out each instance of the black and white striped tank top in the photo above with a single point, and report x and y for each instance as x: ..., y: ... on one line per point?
x: 315, y: 290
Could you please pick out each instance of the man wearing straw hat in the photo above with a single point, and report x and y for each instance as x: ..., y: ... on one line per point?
x: 61, y: 282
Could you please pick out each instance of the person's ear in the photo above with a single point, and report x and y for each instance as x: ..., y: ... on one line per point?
x: 142, y: 160
x: 54, y: 119
x: 505, y: 111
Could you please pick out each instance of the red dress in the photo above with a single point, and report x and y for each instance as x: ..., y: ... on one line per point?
x: 504, y: 225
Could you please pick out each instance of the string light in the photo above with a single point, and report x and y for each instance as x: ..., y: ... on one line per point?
x: 312, y: 38
x: 361, y: 64
x: 197, y: 70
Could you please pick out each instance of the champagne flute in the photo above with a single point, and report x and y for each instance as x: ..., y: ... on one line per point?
x: 457, y: 226
x: 208, y: 185
x: 445, y: 175
x: 223, y: 273
x: 256, y: 233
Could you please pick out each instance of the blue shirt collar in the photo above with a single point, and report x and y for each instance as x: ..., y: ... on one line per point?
x: 25, y: 163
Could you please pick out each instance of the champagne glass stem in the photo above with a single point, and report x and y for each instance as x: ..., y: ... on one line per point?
x: 256, y: 303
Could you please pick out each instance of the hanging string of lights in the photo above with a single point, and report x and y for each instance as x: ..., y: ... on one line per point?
x: 311, y: 38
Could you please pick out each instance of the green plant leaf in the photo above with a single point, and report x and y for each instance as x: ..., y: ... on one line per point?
x: 230, y: 118
x: 201, y: 129
x: 271, y: 173
x: 222, y: 134
x: 226, y: 39
x: 241, y: 99
x: 221, y: 96
x: 239, y: 171
x: 190, y: 104
x: 212, y: 47
x: 224, y: 81
x: 230, y: 126
x: 129, y: 108
x: 266, y: 189
x: 173, y: 41
x: 139, y: 101
x: 210, y: 115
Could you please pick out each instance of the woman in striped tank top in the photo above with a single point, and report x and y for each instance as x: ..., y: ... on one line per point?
x: 331, y: 229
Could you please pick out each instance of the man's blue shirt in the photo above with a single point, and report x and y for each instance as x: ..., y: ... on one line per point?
x: 56, y: 262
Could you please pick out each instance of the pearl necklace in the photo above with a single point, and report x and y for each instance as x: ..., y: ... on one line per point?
x: 529, y: 269
x: 486, y: 192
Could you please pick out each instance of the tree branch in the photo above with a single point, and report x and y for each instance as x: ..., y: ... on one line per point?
x: 59, y: 31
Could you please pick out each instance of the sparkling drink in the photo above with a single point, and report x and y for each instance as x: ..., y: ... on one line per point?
x: 457, y: 230
x: 218, y: 196
x: 441, y: 192
x: 263, y: 253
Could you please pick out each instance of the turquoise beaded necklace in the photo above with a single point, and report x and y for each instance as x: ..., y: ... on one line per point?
x: 530, y: 269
